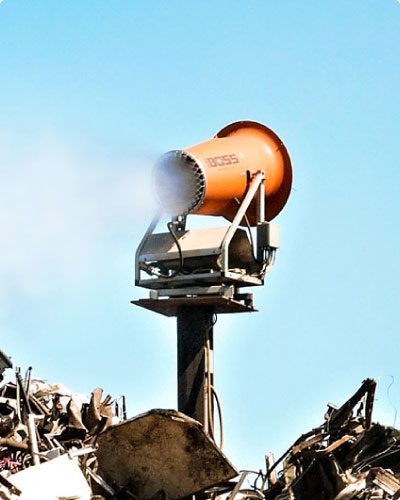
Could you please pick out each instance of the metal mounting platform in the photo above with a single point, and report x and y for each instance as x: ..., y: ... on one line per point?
x: 220, y: 304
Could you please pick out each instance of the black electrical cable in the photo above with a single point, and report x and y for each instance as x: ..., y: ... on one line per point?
x: 251, y: 236
x: 253, y: 249
x: 212, y: 393
x: 152, y: 271
x: 246, y: 219
x: 181, y: 269
x: 383, y: 454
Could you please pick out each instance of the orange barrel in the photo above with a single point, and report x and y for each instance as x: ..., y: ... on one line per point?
x: 212, y: 178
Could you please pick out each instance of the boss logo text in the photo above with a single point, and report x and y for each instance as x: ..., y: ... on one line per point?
x: 217, y: 161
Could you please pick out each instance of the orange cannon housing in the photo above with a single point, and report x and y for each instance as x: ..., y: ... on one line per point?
x: 212, y: 178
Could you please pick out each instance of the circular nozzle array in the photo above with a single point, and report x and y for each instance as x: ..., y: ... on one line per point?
x: 179, y: 183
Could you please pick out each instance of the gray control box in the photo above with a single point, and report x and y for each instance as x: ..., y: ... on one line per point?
x: 268, y: 235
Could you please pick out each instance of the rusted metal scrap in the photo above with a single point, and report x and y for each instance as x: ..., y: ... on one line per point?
x: 347, y: 457
x: 54, y: 444
x: 162, y: 452
x: 48, y: 440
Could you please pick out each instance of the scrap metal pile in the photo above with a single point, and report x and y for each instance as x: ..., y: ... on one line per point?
x: 347, y: 457
x: 48, y: 439
x: 56, y: 445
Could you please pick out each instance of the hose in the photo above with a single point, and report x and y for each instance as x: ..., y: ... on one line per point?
x: 212, y: 394
x: 220, y: 419
x: 152, y: 271
x: 178, y: 246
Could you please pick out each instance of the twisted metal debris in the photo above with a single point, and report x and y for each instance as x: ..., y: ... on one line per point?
x: 58, y: 445
x: 48, y: 439
x: 346, y: 457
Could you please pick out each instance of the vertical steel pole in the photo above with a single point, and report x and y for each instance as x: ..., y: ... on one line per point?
x: 195, y: 330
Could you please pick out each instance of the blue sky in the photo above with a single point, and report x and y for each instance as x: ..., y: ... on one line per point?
x: 93, y: 92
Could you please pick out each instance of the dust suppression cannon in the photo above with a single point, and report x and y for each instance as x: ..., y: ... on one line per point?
x: 243, y: 177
